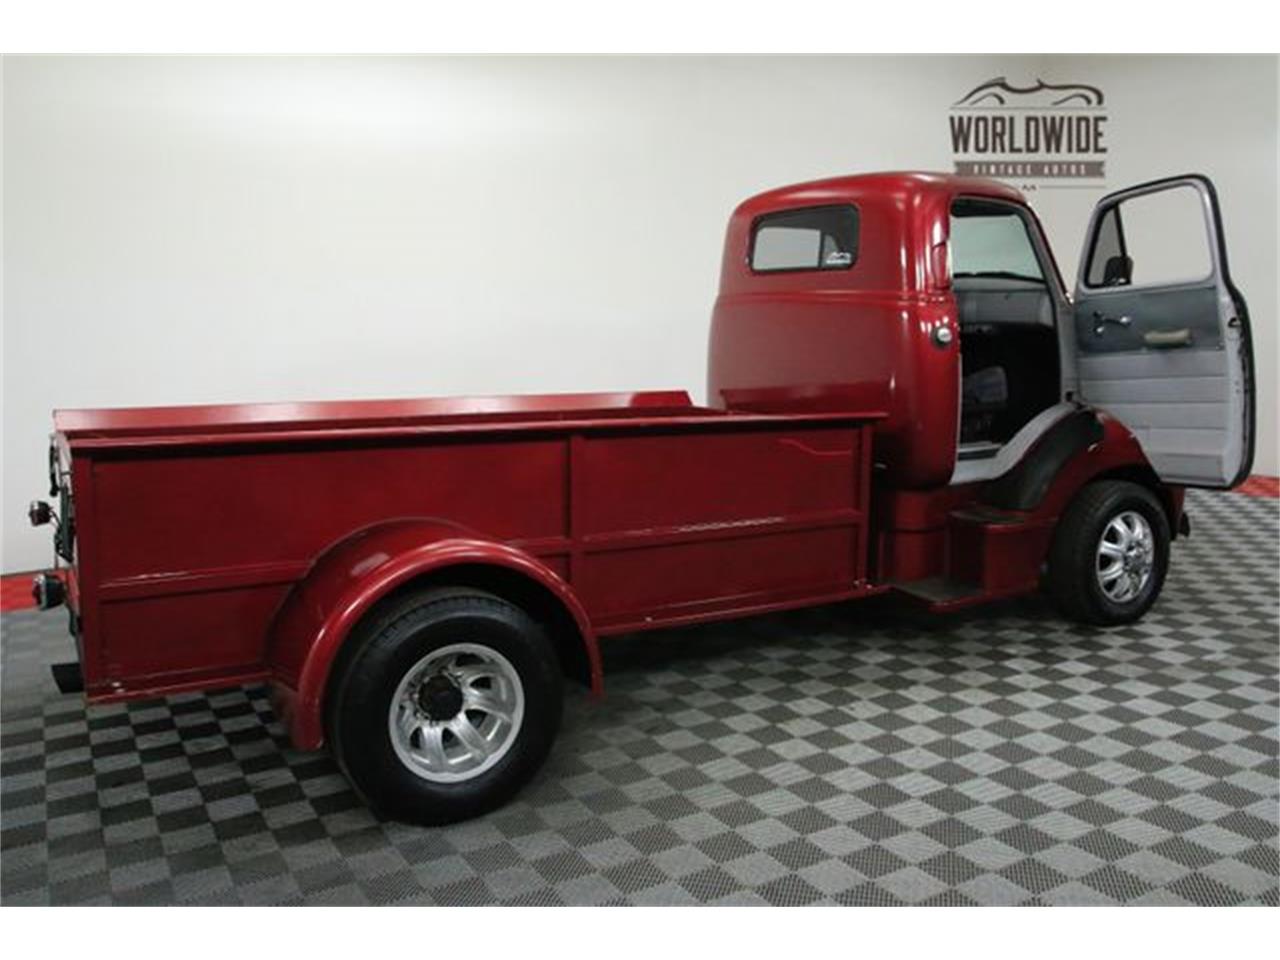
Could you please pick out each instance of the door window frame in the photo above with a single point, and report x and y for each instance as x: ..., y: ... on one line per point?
x: 1054, y: 284
x: 1210, y: 218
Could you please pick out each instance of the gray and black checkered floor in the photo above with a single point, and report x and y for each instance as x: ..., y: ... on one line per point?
x: 844, y: 755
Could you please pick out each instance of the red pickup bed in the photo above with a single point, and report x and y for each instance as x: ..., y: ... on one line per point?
x: 196, y: 524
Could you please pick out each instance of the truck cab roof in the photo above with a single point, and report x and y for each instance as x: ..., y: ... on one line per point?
x: 910, y: 185
x: 902, y: 217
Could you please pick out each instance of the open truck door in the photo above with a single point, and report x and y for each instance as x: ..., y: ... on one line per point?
x: 1162, y: 335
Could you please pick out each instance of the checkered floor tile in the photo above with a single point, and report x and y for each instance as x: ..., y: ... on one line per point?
x: 847, y: 755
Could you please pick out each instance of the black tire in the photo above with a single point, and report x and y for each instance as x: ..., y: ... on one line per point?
x: 385, y: 649
x: 1073, y: 578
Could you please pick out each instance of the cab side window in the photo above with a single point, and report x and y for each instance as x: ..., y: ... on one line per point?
x: 815, y: 238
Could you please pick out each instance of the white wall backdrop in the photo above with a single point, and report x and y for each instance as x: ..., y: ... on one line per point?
x: 210, y: 229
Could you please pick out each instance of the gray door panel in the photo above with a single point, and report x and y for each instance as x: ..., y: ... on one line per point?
x: 1171, y: 359
x: 1193, y: 308
x: 1175, y: 402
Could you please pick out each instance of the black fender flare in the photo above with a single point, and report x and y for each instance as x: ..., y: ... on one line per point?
x: 1023, y: 487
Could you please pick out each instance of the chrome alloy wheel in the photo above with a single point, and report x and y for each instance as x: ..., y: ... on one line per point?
x: 456, y: 712
x: 1126, y: 556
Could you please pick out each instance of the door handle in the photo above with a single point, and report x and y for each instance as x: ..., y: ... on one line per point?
x: 1102, y: 321
x: 1168, y: 338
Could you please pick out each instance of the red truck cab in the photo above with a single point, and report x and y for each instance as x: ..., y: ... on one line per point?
x: 902, y: 398
x: 938, y: 300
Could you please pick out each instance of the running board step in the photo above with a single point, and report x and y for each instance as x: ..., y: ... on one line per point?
x: 995, y: 551
x: 938, y: 590
x: 982, y: 514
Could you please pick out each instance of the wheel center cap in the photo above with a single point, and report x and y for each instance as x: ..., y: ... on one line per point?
x: 439, y: 698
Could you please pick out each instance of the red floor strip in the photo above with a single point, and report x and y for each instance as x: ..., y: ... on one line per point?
x: 15, y: 592
x: 1260, y: 486
x: 15, y: 588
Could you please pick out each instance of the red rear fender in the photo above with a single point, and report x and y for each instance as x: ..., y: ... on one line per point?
x: 350, y: 577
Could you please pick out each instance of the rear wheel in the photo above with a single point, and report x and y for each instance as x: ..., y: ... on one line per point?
x: 448, y: 704
x: 1110, y: 554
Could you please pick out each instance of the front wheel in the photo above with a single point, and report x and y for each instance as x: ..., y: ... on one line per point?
x: 448, y: 704
x: 1110, y: 554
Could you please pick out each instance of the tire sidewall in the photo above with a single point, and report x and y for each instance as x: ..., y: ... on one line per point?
x: 1123, y: 499
x: 365, y: 745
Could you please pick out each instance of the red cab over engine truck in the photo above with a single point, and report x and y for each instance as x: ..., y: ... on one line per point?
x: 902, y: 398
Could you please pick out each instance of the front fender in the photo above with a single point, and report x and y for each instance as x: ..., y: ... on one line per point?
x: 354, y: 574
x: 1116, y: 451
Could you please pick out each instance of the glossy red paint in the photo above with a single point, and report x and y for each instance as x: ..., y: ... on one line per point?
x: 865, y: 337
x: 347, y: 580
x: 240, y: 543
x: 946, y: 533
x: 229, y: 544
x: 187, y: 423
x: 860, y: 338
x: 910, y: 529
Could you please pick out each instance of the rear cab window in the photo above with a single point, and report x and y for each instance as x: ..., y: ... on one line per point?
x: 813, y: 238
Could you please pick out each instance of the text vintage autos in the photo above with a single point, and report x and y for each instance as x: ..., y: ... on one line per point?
x: 903, y: 398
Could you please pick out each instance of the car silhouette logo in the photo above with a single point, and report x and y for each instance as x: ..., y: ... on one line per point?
x: 1001, y: 93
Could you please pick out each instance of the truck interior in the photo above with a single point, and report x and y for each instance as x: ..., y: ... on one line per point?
x: 1010, y: 375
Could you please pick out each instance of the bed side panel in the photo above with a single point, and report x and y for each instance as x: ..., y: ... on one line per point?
x: 195, y: 550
